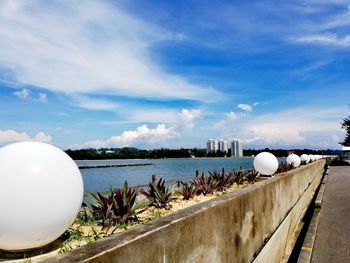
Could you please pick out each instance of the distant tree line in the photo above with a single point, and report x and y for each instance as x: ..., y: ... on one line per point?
x: 135, y: 153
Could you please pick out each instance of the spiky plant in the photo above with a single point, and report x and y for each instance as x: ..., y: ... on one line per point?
x: 158, y: 194
x: 251, y: 176
x: 119, y: 206
x: 284, y: 167
x: 187, y: 190
x: 125, y: 205
x: 223, y: 180
x: 101, y: 208
x: 239, y: 176
x: 205, y: 184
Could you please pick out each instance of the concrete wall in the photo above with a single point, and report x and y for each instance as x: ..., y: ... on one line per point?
x: 256, y: 223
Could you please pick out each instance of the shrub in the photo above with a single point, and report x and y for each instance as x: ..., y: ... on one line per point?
x: 223, y: 181
x: 284, y: 167
x: 119, y: 206
x: 204, y: 184
x: 158, y: 194
x: 187, y: 190
x: 338, y: 162
x: 251, y: 176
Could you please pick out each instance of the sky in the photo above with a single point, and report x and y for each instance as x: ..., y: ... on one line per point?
x: 151, y: 74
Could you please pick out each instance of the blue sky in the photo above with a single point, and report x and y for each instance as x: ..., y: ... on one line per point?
x: 150, y: 74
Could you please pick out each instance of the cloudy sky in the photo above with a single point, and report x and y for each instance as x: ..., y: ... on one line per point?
x: 150, y: 74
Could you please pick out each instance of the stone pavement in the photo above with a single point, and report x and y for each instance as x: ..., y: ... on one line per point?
x: 333, y: 234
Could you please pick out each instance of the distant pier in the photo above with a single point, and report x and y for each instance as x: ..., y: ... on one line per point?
x: 112, y: 165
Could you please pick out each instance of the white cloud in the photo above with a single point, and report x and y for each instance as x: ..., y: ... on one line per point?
x: 232, y: 116
x: 87, y: 47
x: 325, y: 39
x: 142, y: 136
x: 93, y: 103
x: 187, y: 117
x: 11, y: 136
x: 245, y: 107
x: 301, y: 127
x: 42, y: 98
x: 42, y: 137
x: 26, y: 94
x: 22, y: 94
x: 151, y: 115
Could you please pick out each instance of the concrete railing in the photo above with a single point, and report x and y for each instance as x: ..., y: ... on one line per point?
x: 257, y: 223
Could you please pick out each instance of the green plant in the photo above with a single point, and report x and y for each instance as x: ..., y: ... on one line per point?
x: 251, y: 176
x: 346, y: 126
x: 119, y: 206
x: 338, y: 162
x: 223, y: 180
x: 204, y: 184
x: 154, y: 215
x: 284, y: 167
x: 84, y: 216
x: 158, y: 194
x: 101, y: 208
x: 72, y: 235
x: 96, y: 235
x: 239, y: 176
x: 187, y: 190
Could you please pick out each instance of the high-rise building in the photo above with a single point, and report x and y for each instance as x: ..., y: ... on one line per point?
x: 212, y: 145
x: 223, y: 146
x: 236, y: 148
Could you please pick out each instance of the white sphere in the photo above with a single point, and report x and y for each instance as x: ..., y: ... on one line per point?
x: 41, y: 191
x: 312, y: 157
x: 293, y: 159
x: 305, y: 158
x: 265, y: 163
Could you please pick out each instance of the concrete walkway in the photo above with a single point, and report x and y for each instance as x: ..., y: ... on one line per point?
x: 333, y: 234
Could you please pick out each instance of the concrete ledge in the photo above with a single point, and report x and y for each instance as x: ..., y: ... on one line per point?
x: 282, y: 242
x: 319, y: 198
x: 309, y: 241
x: 325, y: 178
x: 236, y: 227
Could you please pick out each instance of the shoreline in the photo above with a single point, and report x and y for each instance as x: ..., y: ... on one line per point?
x: 112, y: 165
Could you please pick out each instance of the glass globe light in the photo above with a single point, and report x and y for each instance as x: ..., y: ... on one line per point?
x: 41, y: 191
x: 305, y: 158
x: 265, y: 163
x: 294, y: 160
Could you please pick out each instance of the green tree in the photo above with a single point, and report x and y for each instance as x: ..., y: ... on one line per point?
x: 346, y: 126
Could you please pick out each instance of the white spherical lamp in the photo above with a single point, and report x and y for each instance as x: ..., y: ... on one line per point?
x: 305, y: 158
x: 265, y: 163
x: 312, y: 157
x: 294, y: 160
x: 41, y: 191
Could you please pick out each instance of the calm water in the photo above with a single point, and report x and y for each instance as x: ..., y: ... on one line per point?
x: 99, y: 180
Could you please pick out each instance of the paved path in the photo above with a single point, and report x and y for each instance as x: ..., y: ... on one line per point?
x: 333, y: 234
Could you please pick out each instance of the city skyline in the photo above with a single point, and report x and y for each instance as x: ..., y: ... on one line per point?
x: 172, y: 74
x: 219, y: 145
